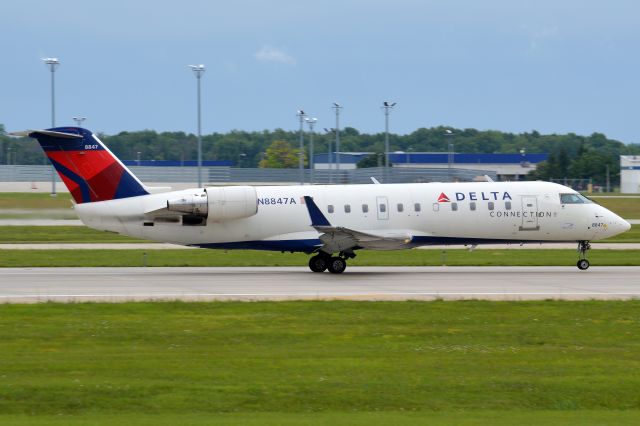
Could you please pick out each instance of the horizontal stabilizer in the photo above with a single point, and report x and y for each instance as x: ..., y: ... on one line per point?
x: 34, y: 133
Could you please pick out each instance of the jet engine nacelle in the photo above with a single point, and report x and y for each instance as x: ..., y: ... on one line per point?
x: 218, y: 203
x: 231, y: 202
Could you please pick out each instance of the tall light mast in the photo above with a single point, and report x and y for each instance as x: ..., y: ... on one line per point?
x: 198, y: 70
x: 52, y: 63
x: 387, y: 106
x: 301, y: 116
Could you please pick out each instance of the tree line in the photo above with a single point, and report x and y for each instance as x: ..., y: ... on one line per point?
x: 570, y: 155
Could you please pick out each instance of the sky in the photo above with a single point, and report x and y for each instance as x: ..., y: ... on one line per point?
x: 555, y: 66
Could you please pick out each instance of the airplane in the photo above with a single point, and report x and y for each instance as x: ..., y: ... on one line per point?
x: 329, y: 222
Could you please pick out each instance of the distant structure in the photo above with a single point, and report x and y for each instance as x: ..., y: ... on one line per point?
x: 506, y: 166
x: 630, y: 174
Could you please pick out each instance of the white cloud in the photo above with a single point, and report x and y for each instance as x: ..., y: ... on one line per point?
x: 272, y: 54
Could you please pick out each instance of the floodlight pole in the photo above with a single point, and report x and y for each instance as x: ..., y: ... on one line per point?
x: 387, y: 106
x: 301, y: 116
x: 53, y: 63
x: 311, y: 122
x: 198, y: 70
x: 337, y: 107
x: 330, y: 154
x: 450, y: 154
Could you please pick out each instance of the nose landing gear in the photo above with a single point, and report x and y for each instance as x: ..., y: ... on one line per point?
x: 583, y: 263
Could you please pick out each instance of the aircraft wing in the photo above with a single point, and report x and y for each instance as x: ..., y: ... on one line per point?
x: 338, y: 238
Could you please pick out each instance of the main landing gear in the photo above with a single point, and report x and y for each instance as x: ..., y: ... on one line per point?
x: 583, y: 263
x: 325, y: 262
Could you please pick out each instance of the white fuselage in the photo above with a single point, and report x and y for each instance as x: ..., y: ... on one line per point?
x: 474, y: 213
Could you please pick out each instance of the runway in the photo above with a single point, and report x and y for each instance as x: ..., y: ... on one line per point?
x: 31, y: 285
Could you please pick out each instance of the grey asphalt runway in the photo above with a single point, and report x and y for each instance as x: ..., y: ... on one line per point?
x: 29, y: 285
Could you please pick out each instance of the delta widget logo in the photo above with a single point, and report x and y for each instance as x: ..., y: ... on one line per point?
x: 443, y: 198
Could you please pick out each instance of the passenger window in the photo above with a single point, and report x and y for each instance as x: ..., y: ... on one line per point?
x: 490, y: 205
x: 507, y: 205
x: 472, y: 205
x: 365, y: 208
x: 454, y: 207
x: 436, y: 207
x: 330, y: 208
x: 383, y: 208
x: 416, y: 207
x: 400, y: 207
x: 347, y: 208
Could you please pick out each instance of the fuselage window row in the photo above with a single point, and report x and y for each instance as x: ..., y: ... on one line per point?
x: 417, y: 207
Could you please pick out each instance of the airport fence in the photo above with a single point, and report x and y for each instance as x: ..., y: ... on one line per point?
x: 231, y: 175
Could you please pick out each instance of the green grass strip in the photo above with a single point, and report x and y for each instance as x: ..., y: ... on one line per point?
x: 34, y: 200
x: 59, y: 234
x: 368, y: 418
x: 455, y: 257
x: 538, y: 362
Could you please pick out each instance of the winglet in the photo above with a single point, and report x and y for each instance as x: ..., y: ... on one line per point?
x: 317, y: 218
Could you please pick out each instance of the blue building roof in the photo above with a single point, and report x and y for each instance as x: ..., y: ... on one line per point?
x: 178, y: 163
x: 438, y: 158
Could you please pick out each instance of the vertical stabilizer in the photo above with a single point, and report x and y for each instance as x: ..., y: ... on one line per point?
x: 86, y: 166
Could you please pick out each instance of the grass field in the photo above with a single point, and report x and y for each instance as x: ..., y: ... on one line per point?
x: 454, y: 257
x: 34, y: 200
x: 59, y: 234
x: 628, y: 208
x: 363, y: 363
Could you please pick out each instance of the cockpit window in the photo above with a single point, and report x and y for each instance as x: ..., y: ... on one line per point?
x: 574, y: 199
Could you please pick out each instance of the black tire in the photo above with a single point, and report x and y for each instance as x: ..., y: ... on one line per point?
x: 337, y: 265
x: 318, y: 263
x: 583, y: 264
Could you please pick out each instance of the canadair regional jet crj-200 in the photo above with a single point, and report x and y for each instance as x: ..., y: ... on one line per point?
x: 330, y: 222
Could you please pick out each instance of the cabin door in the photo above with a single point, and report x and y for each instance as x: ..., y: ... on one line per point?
x: 529, y: 213
x: 382, y: 206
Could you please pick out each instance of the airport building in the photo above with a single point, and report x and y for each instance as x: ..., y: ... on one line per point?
x: 630, y: 174
x: 506, y: 167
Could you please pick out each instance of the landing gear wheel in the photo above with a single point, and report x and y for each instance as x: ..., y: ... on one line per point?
x: 337, y: 265
x: 318, y: 263
x: 583, y: 264
x: 583, y: 247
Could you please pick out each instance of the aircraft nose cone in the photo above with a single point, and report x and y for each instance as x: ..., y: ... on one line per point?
x: 619, y: 225
x: 625, y: 226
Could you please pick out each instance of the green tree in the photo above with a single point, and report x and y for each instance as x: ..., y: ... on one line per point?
x: 280, y: 155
